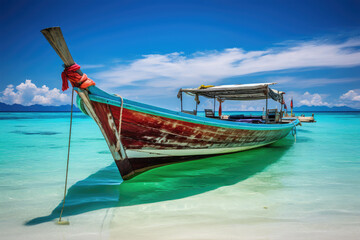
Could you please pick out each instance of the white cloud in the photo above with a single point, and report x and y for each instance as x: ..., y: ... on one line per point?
x: 351, y: 95
x: 350, y: 99
x: 312, y: 100
x: 307, y: 99
x: 160, y: 75
x: 28, y: 93
x: 176, y: 70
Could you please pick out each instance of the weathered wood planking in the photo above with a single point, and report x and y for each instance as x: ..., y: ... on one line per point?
x: 145, y: 132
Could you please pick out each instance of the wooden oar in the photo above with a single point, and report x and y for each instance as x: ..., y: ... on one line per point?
x: 57, y: 41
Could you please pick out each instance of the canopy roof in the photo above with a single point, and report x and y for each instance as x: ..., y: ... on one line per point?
x: 246, y: 92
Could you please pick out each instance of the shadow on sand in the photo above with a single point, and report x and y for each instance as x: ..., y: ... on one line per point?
x: 105, y: 189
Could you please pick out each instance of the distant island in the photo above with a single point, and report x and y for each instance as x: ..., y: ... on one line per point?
x: 36, y: 108
x: 324, y: 109
x: 66, y: 108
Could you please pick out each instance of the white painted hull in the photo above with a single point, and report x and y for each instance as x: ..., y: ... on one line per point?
x: 187, y: 152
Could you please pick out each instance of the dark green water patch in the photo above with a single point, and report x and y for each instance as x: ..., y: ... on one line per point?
x: 14, y: 118
x: 303, y: 139
x: 299, y: 129
x: 42, y: 116
x: 35, y: 133
x: 104, y: 152
x: 105, y: 189
x: 55, y: 147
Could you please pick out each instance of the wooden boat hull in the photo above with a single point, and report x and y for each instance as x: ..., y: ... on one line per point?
x: 153, y: 137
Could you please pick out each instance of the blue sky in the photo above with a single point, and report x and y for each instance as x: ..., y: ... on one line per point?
x: 147, y: 50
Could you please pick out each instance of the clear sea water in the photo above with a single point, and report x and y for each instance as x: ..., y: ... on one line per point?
x: 304, y: 190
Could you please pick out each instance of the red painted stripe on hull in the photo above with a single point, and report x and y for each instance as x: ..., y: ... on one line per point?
x: 160, y: 132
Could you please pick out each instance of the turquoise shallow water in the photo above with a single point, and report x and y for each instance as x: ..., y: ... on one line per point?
x: 304, y: 190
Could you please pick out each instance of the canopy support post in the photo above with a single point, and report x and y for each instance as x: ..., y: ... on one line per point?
x: 214, y: 104
x: 266, y: 112
x: 196, y: 108
x: 196, y: 104
x: 181, y: 101
x: 281, y: 110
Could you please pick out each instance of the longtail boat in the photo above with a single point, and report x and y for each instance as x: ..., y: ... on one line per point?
x: 141, y: 136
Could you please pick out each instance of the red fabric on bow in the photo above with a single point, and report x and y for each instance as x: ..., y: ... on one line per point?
x: 75, y: 78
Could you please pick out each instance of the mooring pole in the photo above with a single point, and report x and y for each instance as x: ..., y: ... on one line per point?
x: 60, y: 222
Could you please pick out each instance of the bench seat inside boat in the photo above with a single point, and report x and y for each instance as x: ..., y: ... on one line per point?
x: 242, y: 116
x: 249, y: 120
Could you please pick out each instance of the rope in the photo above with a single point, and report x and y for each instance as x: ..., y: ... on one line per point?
x: 120, y: 118
x: 68, y: 154
x: 118, y: 147
x: 293, y: 131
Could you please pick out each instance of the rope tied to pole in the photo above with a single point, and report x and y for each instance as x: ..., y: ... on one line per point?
x: 67, y: 162
x: 76, y: 80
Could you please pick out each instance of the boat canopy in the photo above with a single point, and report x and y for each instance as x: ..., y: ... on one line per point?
x: 245, y: 92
